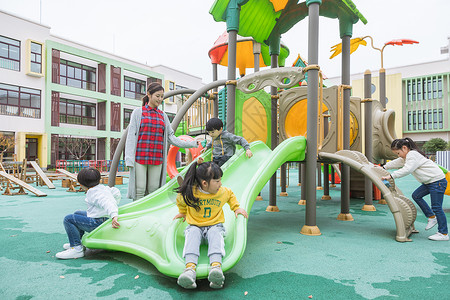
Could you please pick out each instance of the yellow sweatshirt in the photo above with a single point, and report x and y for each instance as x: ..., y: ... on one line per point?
x: 211, y: 212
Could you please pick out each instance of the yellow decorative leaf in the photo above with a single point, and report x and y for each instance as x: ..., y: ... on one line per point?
x: 354, y: 44
x: 337, y: 50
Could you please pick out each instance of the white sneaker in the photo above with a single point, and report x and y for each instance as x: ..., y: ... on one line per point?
x: 431, y: 223
x: 439, y: 237
x: 70, y: 253
x: 216, y: 278
x: 187, y: 278
x: 66, y: 246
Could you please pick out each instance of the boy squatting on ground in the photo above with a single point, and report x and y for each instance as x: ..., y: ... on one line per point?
x: 224, y: 143
x: 200, y: 201
x: 101, y: 202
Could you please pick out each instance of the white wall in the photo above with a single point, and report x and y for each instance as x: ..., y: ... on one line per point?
x: 22, y: 29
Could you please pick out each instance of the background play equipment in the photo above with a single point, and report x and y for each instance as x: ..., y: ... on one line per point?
x: 403, y: 210
x: 171, y: 166
x: 147, y: 228
x: 41, y: 173
x: 22, y: 185
x: 246, y: 48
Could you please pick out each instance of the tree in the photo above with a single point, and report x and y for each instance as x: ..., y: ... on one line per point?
x: 448, y: 146
x: 78, y: 147
x: 435, y: 144
x: 6, y: 142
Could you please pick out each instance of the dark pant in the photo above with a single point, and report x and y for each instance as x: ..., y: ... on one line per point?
x: 220, y: 160
x: 77, y: 223
x: 436, y: 190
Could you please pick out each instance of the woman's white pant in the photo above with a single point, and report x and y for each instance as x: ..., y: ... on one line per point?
x: 147, y: 179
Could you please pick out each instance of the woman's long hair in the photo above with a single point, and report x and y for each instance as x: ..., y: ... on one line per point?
x: 194, y: 176
x: 151, y: 89
x: 397, y: 144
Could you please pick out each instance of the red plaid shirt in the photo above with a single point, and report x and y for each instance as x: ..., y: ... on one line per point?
x: 149, y: 150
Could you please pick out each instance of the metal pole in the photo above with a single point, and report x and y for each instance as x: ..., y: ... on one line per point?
x: 311, y: 124
x: 368, y: 187
x: 303, y: 189
x: 274, y: 138
x: 216, y: 96
x: 326, y: 181
x: 383, y: 87
x: 256, y: 54
x: 345, y: 171
x: 231, y: 88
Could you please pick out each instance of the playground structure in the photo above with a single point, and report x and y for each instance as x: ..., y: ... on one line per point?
x: 17, y: 177
x: 331, y: 115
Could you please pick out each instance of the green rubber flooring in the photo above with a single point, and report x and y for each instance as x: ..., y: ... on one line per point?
x: 357, y: 259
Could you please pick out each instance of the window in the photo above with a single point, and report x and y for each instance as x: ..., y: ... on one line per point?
x: 35, y: 57
x: 76, y: 112
x: 441, y: 123
x: 133, y: 88
x: 419, y: 90
x: 153, y: 79
x: 409, y: 91
x: 434, y: 88
x: 424, y: 88
x: 419, y: 120
x: 435, y: 118
x: 126, y: 117
x: 429, y: 88
x: 68, y: 147
x: 414, y: 90
x: 9, y: 53
x: 414, y: 121
x: 20, y: 101
x: 430, y: 119
x: 439, y: 88
x: 409, y: 120
x: 171, y: 88
x: 424, y: 119
x: 77, y: 75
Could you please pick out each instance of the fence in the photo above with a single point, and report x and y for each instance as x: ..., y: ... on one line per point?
x: 443, y: 159
x: 75, y: 166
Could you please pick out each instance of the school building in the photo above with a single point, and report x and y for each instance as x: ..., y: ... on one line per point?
x: 418, y: 93
x: 57, y: 95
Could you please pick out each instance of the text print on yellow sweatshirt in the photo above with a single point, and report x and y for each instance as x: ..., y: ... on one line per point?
x: 211, y: 207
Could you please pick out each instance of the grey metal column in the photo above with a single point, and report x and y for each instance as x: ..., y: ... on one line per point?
x: 308, y: 183
x: 382, y: 79
x: 216, y: 96
x: 231, y: 88
x: 345, y: 171
x: 299, y: 174
x: 326, y: 180
x: 333, y: 183
x: 273, y: 134
x: 256, y: 55
x: 303, y: 189
x: 368, y: 187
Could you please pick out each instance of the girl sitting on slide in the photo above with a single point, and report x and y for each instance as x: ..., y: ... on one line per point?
x: 200, y: 201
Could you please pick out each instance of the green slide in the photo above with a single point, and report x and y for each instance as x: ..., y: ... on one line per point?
x: 149, y: 231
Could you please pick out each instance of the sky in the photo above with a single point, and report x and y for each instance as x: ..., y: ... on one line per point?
x: 179, y: 33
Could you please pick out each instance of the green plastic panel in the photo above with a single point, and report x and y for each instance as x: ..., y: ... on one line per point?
x: 149, y: 231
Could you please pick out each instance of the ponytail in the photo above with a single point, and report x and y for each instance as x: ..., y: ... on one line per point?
x: 194, y: 176
x: 397, y: 144
x: 145, y: 100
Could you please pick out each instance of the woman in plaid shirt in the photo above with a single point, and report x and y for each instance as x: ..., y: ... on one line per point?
x: 148, y: 138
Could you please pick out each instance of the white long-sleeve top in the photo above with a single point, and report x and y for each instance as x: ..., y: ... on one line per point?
x: 102, y: 201
x: 422, y: 168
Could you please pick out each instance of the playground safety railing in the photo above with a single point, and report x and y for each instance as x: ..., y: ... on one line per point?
x: 75, y: 166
